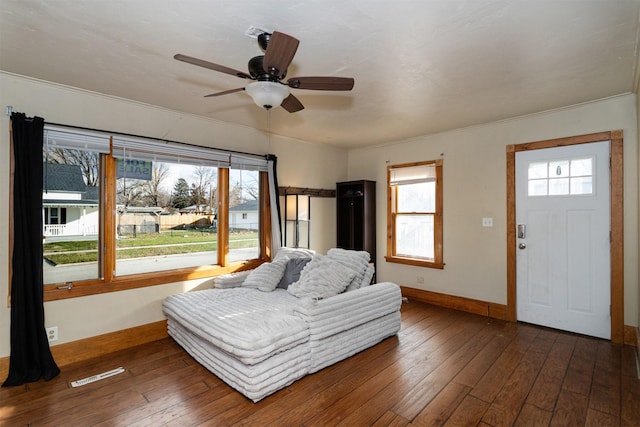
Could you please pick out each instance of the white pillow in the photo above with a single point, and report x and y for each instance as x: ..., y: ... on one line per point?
x: 267, y: 276
x: 231, y: 280
x: 321, y: 278
x: 368, y: 276
x: 356, y: 261
x: 294, y: 253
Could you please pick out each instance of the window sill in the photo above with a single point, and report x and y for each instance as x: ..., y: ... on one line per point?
x: 415, y: 261
x: 94, y: 287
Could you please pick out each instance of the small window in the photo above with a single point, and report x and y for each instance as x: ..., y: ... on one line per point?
x: 415, y: 214
x: 561, y: 178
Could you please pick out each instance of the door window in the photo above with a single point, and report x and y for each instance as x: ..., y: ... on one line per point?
x: 561, y: 177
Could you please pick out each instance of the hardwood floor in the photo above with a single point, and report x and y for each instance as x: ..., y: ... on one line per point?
x: 444, y: 368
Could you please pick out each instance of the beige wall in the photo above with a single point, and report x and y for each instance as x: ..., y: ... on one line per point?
x: 84, y: 317
x: 475, y: 187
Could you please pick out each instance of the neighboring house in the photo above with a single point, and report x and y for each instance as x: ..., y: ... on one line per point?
x: 244, y: 216
x: 70, y: 207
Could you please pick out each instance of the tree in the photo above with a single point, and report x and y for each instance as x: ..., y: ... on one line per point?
x: 180, y: 197
x: 197, y: 195
x: 87, y: 160
x: 235, y: 195
x: 130, y: 192
x: 246, y: 186
x: 153, y: 194
x: 202, y: 189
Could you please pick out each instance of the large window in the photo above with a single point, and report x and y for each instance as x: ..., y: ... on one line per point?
x: 414, y: 214
x: 123, y: 212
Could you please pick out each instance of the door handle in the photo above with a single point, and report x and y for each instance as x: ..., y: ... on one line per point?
x: 522, y: 246
x: 522, y: 231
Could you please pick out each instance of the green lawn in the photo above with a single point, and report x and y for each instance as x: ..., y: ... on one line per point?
x: 145, y: 245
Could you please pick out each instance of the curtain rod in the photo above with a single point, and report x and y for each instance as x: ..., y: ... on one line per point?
x: 159, y: 139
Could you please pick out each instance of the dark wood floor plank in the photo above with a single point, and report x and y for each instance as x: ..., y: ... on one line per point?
x: 429, y: 387
x: 90, y: 413
x: 504, y: 410
x: 608, y: 357
x: 532, y: 416
x: 493, y: 380
x: 605, y: 392
x: 468, y: 413
x: 481, y: 363
x: 171, y: 398
x: 580, y: 371
x: 630, y: 401
x: 185, y: 408
x: 571, y: 409
x: 443, y: 367
x: 599, y: 419
x: 546, y: 388
x: 390, y: 419
x: 438, y: 411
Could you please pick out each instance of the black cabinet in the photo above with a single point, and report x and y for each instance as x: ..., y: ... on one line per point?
x: 356, y: 221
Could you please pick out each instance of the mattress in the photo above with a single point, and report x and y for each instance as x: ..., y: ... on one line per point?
x: 334, y: 348
x: 255, y: 381
x: 247, y: 323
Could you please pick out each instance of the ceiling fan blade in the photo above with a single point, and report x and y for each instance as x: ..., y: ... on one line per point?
x: 211, y: 66
x: 280, y: 53
x: 292, y: 104
x: 239, y: 89
x: 321, y: 83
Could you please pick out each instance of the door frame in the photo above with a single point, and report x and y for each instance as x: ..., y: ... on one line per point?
x: 616, y: 206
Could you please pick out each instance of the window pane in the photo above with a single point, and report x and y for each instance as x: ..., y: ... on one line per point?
x: 71, y: 215
x: 167, y: 221
x: 414, y: 236
x: 244, y: 215
x: 559, y: 169
x: 538, y: 187
x: 582, y: 167
x: 559, y: 187
x: 420, y: 197
x: 564, y: 177
x: 537, y: 170
x: 581, y: 185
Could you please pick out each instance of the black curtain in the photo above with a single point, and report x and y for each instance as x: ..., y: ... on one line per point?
x: 30, y: 357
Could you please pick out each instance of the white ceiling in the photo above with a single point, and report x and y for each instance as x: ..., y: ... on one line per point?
x: 420, y: 66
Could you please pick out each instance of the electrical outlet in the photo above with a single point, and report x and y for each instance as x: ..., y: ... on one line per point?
x: 487, y: 222
x: 420, y: 279
x: 52, y: 333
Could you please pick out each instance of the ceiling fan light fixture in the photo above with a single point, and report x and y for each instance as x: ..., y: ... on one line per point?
x: 267, y: 94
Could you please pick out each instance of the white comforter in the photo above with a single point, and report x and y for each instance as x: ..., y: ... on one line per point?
x: 247, y: 323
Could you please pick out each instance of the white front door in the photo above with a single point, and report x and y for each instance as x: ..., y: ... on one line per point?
x: 563, y: 238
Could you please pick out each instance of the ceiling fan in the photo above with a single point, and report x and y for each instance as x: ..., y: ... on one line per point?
x: 269, y: 90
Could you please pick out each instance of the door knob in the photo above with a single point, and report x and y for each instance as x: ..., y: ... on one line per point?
x: 522, y: 246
